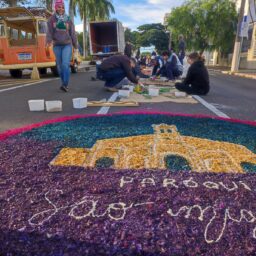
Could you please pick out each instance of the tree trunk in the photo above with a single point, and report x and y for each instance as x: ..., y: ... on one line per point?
x: 85, y: 37
x: 49, y: 5
x: 13, y: 3
x: 71, y: 10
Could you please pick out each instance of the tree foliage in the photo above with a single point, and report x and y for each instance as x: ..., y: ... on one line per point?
x: 205, y: 24
x: 153, y: 34
x: 13, y: 3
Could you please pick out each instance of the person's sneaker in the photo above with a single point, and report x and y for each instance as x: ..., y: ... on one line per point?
x: 111, y: 89
x: 64, y: 88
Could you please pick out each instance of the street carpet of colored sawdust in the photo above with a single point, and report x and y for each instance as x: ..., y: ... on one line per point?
x: 129, y: 184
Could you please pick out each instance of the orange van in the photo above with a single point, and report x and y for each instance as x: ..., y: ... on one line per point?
x: 22, y: 41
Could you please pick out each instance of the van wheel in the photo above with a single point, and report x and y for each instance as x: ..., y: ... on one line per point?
x: 16, y: 73
x: 55, y: 71
x: 43, y: 71
x: 74, y: 68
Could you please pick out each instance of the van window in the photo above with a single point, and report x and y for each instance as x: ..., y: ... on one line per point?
x: 14, y: 34
x: 42, y: 26
x: 29, y: 36
x: 2, y: 30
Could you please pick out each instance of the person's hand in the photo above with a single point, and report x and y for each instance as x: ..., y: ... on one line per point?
x: 76, y: 54
x: 48, y: 45
x: 140, y: 84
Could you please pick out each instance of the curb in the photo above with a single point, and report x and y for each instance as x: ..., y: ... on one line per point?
x: 244, y: 75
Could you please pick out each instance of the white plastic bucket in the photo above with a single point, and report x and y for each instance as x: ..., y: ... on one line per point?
x: 53, y: 106
x: 124, y: 93
x: 79, y: 102
x: 153, y: 91
x: 36, y: 105
x: 180, y: 94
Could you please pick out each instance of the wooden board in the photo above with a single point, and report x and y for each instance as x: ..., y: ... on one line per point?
x: 157, y: 82
x: 112, y: 104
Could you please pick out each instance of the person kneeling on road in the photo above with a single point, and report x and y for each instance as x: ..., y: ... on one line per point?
x: 172, y: 67
x: 114, y: 69
x: 197, y: 79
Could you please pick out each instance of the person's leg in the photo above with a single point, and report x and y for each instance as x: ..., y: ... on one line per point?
x: 155, y: 70
x: 169, y: 71
x: 190, y: 89
x: 113, y: 77
x: 177, y: 73
x: 184, y: 88
x: 57, y: 49
x: 65, y: 66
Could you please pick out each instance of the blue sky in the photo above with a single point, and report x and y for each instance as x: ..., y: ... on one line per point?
x: 133, y: 13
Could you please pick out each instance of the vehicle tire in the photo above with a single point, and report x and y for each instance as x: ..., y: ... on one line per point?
x: 74, y: 67
x: 55, y: 71
x: 16, y: 73
x: 43, y: 71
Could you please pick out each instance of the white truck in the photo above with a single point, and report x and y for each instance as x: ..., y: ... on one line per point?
x: 106, y: 38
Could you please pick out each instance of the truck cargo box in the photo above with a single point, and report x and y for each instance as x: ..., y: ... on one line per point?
x: 106, y: 37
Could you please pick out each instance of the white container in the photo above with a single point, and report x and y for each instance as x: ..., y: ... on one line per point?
x: 53, y: 106
x: 153, y: 91
x: 36, y: 105
x: 124, y: 93
x: 180, y: 94
x: 79, y: 102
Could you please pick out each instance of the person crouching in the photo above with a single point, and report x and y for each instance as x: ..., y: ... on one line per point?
x: 114, y: 69
x: 197, y: 79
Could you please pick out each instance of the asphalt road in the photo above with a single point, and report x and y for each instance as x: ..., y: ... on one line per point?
x: 230, y: 96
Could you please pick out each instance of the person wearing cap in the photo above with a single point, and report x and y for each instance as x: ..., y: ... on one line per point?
x: 61, y: 33
x: 114, y: 69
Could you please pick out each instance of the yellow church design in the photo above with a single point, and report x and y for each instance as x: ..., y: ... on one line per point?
x: 150, y: 151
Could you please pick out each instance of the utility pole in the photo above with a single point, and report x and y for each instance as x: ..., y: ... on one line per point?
x: 237, y: 48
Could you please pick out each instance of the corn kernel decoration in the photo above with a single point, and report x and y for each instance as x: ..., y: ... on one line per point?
x: 149, y: 151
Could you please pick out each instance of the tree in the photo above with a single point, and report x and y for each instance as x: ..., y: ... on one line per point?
x: 205, y: 24
x: 12, y: 3
x: 153, y: 34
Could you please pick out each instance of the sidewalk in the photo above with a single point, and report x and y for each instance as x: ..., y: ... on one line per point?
x: 245, y: 73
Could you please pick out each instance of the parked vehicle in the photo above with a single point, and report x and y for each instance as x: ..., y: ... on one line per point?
x: 106, y: 38
x: 22, y: 41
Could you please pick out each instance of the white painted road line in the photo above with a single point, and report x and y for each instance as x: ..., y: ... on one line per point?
x: 210, y: 107
x: 25, y: 85
x: 104, y: 110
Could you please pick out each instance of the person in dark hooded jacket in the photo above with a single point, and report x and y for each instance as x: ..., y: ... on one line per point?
x: 197, y: 79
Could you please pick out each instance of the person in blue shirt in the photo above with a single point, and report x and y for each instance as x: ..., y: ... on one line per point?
x: 172, y: 68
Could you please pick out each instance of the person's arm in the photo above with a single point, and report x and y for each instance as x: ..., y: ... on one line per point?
x: 189, y: 76
x: 128, y: 71
x: 49, y: 33
x: 73, y: 35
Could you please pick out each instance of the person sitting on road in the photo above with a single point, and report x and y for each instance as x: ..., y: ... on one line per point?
x: 114, y: 69
x: 197, y: 79
x: 61, y: 33
x: 157, y: 63
x: 172, y: 67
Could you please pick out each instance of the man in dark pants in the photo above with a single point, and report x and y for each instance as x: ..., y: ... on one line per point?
x: 114, y: 69
x: 170, y: 69
x: 182, y: 47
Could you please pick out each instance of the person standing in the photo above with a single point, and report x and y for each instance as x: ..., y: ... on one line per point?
x: 197, y: 79
x: 61, y: 33
x: 182, y: 48
x: 128, y: 49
